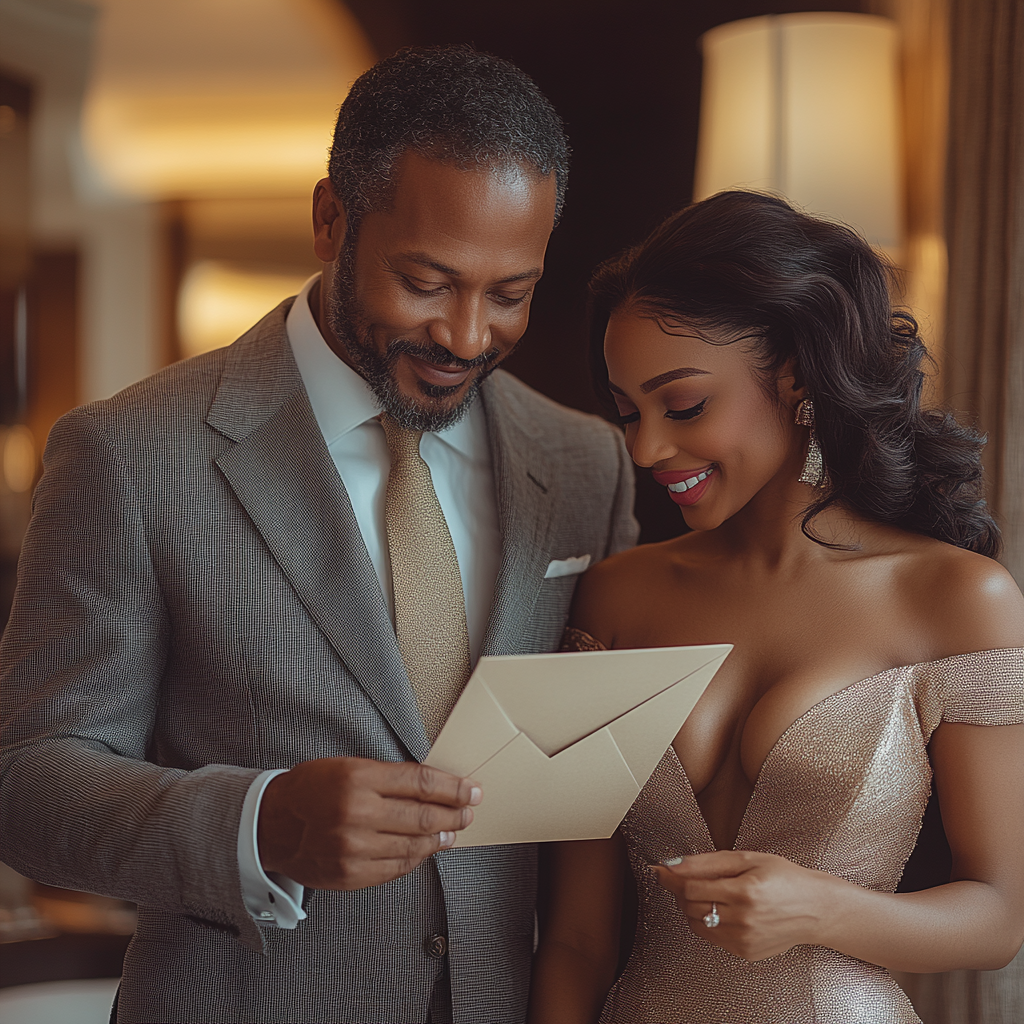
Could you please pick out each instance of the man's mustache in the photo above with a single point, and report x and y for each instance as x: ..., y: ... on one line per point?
x: 434, y: 353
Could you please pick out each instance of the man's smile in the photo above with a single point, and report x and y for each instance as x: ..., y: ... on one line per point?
x: 450, y: 375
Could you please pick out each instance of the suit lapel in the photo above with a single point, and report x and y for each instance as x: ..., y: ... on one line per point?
x: 526, y: 490
x: 284, y: 477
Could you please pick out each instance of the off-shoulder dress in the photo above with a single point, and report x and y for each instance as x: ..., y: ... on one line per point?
x: 843, y: 790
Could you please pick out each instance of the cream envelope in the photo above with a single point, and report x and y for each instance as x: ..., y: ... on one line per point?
x: 562, y: 744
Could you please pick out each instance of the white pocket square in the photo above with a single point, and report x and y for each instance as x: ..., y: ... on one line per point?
x: 567, y: 566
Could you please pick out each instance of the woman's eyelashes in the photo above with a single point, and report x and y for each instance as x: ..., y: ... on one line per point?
x: 625, y: 418
x: 687, y: 414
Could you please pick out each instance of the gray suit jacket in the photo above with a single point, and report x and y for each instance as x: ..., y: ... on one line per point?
x: 195, y: 604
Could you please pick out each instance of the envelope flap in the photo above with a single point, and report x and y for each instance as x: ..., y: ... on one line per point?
x: 645, y: 733
x: 475, y: 731
x: 531, y: 798
x: 564, y: 697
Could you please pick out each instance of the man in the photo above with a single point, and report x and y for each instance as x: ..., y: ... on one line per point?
x: 286, y: 555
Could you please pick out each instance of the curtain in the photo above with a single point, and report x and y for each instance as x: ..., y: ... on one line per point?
x: 983, y: 365
x: 924, y: 53
x: 983, y: 355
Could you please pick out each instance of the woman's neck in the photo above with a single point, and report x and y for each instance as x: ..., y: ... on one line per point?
x: 767, y: 533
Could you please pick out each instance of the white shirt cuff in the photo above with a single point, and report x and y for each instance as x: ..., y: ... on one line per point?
x: 271, y: 898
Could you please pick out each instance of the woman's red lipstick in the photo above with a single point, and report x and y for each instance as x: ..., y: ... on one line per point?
x: 686, y: 486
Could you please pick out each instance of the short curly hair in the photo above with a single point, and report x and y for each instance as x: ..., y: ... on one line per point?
x: 450, y: 102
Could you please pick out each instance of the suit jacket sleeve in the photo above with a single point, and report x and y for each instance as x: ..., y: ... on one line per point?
x: 81, y: 664
x: 623, y: 529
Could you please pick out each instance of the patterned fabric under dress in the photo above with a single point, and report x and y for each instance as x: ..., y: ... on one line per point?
x: 843, y: 790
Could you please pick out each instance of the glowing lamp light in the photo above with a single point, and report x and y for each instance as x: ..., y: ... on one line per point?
x: 17, y: 458
x: 206, y: 98
x: 218, y: 303
x: 211, y: 146
x: 806, y: 105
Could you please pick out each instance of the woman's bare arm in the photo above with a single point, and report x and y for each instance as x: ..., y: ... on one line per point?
x: 977, y: 921
x: 579, y: 948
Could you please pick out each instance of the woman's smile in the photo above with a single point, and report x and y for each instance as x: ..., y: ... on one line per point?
x: 685, y: 487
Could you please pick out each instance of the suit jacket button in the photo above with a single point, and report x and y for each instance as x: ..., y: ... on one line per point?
x: 436, y: 946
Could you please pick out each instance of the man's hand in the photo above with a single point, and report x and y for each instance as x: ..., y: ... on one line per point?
x: 348, y: 823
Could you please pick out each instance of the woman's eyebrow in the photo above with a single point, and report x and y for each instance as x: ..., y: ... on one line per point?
x: 663, y: 378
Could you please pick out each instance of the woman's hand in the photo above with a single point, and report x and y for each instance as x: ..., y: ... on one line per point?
x: 766, y: 904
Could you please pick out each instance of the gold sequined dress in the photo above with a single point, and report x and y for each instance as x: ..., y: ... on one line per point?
x: 843, y: 790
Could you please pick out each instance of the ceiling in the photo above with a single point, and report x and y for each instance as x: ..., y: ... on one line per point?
x: 200, y: 98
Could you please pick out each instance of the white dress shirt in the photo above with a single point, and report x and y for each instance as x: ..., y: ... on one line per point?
x: 459, y: 459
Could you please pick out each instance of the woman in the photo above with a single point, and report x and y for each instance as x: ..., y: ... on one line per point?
x: 839, y: 541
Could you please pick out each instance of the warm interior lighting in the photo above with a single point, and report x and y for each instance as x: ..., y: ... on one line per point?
x: 806, y: 105
x: 194, y: 145
x: 217, y: 303
x: 18, y: 458
x: 219, y: 97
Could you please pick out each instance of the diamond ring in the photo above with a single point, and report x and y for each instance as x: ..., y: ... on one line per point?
x: 711, y: 919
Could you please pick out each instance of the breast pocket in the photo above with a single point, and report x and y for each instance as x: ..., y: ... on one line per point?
x: 551, y: 611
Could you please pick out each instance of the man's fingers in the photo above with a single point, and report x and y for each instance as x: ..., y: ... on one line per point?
x: 385, y: 846
x: 375, y: 858
x: 409, y: 818
x: 326, y: 820
x: 427, y: 785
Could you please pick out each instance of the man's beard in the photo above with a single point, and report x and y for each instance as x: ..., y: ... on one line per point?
x: 378, y: 370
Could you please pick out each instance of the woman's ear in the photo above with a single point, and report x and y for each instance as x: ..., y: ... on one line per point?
x: 790, y: 382
x: 330, y: 224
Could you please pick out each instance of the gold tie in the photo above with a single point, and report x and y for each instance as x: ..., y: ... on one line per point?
x: 430, y: 610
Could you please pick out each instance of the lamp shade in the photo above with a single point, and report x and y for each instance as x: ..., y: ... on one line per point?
x: 806, y: 105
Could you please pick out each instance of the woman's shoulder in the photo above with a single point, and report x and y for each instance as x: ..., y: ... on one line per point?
x: 963, y: 601
x: 624, y: 585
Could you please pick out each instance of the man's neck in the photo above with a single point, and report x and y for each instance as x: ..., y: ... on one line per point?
x: 318, y: 308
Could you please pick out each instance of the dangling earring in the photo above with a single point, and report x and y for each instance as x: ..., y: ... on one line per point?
x: 813, y: 472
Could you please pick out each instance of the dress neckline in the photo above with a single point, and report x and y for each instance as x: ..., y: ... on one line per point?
x: 817, y: 706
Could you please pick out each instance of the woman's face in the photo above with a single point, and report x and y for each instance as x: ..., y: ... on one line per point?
x: 700, y: 417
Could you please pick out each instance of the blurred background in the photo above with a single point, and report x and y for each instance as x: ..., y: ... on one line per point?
x: 157, y: 161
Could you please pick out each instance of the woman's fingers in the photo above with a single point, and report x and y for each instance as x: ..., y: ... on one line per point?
x: 694, y: 908
x: 719, y: 890
x: 670, y: 881
x: 696, y: 914
x: 716, y: 881
x: 723, y: 889
x: 720, y: 864
x: 763, y: 904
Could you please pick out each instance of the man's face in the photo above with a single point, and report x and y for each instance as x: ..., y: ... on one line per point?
x: 437, y: 289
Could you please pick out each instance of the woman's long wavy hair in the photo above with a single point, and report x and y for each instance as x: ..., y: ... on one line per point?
x: 742, y: 264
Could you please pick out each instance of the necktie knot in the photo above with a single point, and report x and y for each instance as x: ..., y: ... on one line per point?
x: 402, y: 443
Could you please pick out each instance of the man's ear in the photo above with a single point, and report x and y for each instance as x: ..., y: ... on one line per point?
x: 329, y: 222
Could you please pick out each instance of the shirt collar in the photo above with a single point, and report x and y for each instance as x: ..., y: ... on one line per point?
x: 342, y: 400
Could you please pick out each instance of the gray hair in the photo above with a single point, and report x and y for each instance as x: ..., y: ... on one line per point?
x: 451, y: 103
